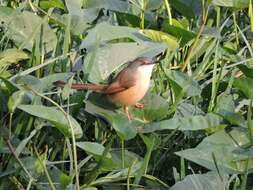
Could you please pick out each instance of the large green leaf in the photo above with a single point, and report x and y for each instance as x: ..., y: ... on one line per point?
x: 109, y: 58
x: 190, y: 123
x: 191, y: 87
x: 105, y: 32
x: 182, y: 35
x: 207, y: 181
x: 23, y: 27
x: 188, y: 8
x: 75, y: 9
x: 45, y: 4
x: 159, y: 36
x: 244, y: 84
x: 226, y: 108
x: 155, y: 108
x: 219, y: 148
x: 93, y: 148
x: 114, y: 5
x: 231, y: 3
x: 56, y: 117
x: 125, y: 129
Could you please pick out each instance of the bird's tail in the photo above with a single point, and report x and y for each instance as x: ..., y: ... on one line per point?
x: 94, y: 87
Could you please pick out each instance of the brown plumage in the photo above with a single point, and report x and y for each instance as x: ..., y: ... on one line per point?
x: 129, y: 87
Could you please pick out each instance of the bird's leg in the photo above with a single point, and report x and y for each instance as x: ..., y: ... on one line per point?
x: 139, y: 105
x: 127, y: 113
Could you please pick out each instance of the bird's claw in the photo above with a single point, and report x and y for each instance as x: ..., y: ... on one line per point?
x: 139, y: 105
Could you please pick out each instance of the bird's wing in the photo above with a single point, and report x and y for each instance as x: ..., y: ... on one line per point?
x: 122, y: 82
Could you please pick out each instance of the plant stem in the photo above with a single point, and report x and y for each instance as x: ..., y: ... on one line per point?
x: 235, y: 29
x: 45, y: 169
x: 12, y: 150
x: 214, y: 80
x: 129, y: 173
x: 192, y: 48
x: 167, y: 5
x: 142, y: 16
x: 10, y: 124
x: 72, y: 132
x: 123, y: 153
x: 249, y: 122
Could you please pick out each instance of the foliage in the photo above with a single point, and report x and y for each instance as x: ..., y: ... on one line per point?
x: 195, y: 131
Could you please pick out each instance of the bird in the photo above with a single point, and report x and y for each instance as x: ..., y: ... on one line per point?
x: 128, y: 87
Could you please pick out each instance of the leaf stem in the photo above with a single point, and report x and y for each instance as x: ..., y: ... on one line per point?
x: 192, y: 48
x: 249, y: 121
x: 167, y: 5
x: 45, y: 169
x: 72, y: 132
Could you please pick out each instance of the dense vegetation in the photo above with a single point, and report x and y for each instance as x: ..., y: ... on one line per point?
x: 195, y: 131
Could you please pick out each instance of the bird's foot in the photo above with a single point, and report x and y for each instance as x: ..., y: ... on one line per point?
x: 139, y: 105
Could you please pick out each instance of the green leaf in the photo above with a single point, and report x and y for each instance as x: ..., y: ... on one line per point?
x: 150, y: 142
x: 191, y: 123
x: 231, y: 3
x: 244, y: 84
x: 155, y: 108
x: 77, y: 25
x: 7, y: 85
x: 24, y: 142
x: 247, y: 70
x: 125, y: 129
x: 45, y: 4
x: 16, y: 99
x: 65, y: 180
x: 182, y: 35
x: 47, y: 81
x: 76, y: 9
x: 104, y: 32
x: 93, y: 148
x: 109, y: 58
x: 221, y: 146
x: 114, y: 5
x: 159, y: 36
x: 56, y: 117
x: 207, y: 181
x: 225, y: 107
x: 23, y: 27
x: 189, y: 9
x: 10, y: 56
x: 183, y: 81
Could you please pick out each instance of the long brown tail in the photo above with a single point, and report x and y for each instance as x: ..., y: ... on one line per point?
x: 94, y: 87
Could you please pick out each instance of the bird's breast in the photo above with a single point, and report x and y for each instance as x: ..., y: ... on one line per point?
x: 135, y: 93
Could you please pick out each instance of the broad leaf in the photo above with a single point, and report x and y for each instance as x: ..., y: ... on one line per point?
x: 23, y: 27
x: 219, y: 148
x: 207, y: 181
x: 159, y: 36
x: 56, y: 117
x: 244, y: 84
x: 109, y: 58
x: 191, y: 123
x: 93, y: 148
x: 105, y: 32
x: 192, y: 88
x: 231, y: 3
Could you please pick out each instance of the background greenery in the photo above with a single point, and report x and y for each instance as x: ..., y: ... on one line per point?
x: 196, y: 129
